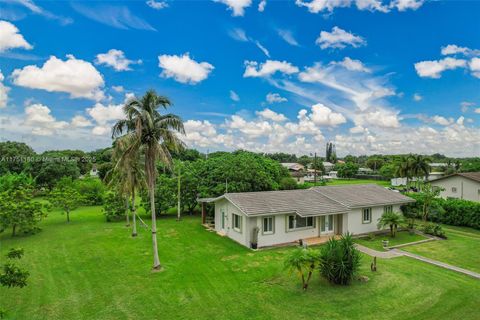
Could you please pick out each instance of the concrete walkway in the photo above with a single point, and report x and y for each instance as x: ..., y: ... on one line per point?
x: 399, y: 253
x: 437, y: 263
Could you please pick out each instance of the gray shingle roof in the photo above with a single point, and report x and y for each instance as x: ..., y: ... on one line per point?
x: 315, y: 201
x: 475, y: 176
x: 354, y: 196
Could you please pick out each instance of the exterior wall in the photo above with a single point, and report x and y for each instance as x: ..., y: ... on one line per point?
x: 241, y: 237
x: 355, y: 223
x: 466, y: 188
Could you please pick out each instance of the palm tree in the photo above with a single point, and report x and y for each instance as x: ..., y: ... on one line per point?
x: 420, y: 166
x: 403, y: 168
x: 129, y: 167
x: 146, y: 129
x: 391, y: 219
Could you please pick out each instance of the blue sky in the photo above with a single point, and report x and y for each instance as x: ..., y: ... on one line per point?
x: 372, y: 76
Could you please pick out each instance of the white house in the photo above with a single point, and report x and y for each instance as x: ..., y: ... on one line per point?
x: 464, y: 185
x: 288, y: 216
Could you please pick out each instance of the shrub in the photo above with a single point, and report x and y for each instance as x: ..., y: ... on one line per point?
x: 302, y: 261
x: 339, y: 260
x: 92, y: 190
x: 434, y: 230
x: 288, y: 183
x: 113, y: 207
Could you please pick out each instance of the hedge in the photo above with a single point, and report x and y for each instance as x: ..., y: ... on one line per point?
x: 456, y: 212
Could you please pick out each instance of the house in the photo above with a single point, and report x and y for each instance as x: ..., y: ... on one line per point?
x: 94, y: 171
x: 288, y: 216
x: 464, y: 185
x: 297, y: 171
x: 328, y: 166
x: 365, y: 171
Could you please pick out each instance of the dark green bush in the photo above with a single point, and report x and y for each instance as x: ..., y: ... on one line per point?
x: 113, y: 207
x: 434, y: 230
x: 92, y: 190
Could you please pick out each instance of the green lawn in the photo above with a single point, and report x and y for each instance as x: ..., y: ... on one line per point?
x: 339, y: 182
x: 400, y: 238
x: 90, y: 269
x: 461, y: 249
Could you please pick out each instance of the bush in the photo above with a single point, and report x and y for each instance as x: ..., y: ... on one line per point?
x: 339, y: 260
x: 434, y: 230
x: 288, y: 183
x: 92, y: 190
x: 113, y: 207
x: 456, y: 212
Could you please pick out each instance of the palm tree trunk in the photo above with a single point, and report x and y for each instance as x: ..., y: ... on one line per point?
x: 127, y: 215
x: 156, y: 259
x: 134, y: 213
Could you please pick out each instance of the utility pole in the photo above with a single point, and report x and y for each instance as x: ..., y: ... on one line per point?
x: 315, y: 170
x: 226, y: 185
x: 178, y: 194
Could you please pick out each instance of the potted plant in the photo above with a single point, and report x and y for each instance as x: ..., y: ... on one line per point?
x: 254, y: 242
x: 385, y: 243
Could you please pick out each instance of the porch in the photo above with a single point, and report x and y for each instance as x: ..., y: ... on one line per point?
x: 313, y: 241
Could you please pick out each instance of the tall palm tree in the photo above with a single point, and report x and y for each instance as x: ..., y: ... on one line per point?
x: 129, y: 167
x: 420, y: 166
x: 403, y: 168
x: 155, y: 134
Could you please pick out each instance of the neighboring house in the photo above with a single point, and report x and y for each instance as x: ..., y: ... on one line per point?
x: 297, y: 171
x: 365, y: 171
x: 288, y: 216
x: 464, y: 185
x: 328, y: 166
x: 396, y: 182
x: 94, y: 171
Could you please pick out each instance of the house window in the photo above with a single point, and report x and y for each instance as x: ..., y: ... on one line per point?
x: 454, y: 190
x: 237, y: 222
x: 367, y: 215
x: 326, y: 223
x: 388, y: 209
x: 268, y: 225
x: 297, y: 222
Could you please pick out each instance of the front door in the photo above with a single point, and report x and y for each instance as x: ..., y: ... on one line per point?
x: 326, y: 224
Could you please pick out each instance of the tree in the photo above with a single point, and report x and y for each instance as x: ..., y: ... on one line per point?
x: 189, y: 182
x: 12, y: 275
x: 347, y: 170
x: 48, y: 172
x: 146, y: 128
x: 113, y: 206
x: 375, y: 163
x: 403, y: 168
x: 420, y: 166
x: 392, y: 220
x: 18, y: 209
x: 65, y: 196
x: 427, y: 197
x: 330, y: 154
x: 339, y: 260
x: 14, y: 156
x: 91, y: 189
x: 302, y: 261
x: 387, y: 170
x: 288, y: 183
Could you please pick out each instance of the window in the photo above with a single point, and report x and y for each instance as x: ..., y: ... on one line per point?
x: 223, y: 219
x: 387, y: 209
x: 297, y: 222
x: 367, y: 215
x: 326, y: 223
x: 237, y: 222
x: 454, y: 190
x: 268, y: 227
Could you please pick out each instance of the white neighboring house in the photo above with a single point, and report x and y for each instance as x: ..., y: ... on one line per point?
x: 464, y: 185
x: 289, y: 216
x: 328, y: 166
x: 94, y: 171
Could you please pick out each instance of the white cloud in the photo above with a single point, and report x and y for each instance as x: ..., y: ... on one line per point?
x: 10, y: 37
x: 29, y: 4
x: 234, y: 96
x: 287, y: 35
x: 380, y: 117
x: 372, y: 5
x: 460, y: 120
x: 115, y: 59
x: 80, y: 122
x: 236, y: 6
x: 157, y: 5
x: 452, y: 49
x: 275, y: 97
x: 38, y: 117
x: 442, y: 120
x: 477, y: 110
x: 268, y: 114
x: 270, y: 67
x: 262, y: 48
x: 465, y: 105
x: 118, y: 88
x: 77, y: 77
x: 339, y: 39
x: 238, y: 34
x: 184, y: 69
x: 357, y: 129
x: 323, y: 115
x: 316, y: 6
x: 434, y: 68
x: 103, y: 114
x: 474, y: 66
x: 417, y: 97
x: 404, y: 5
x: 353, y: 65
x: 3, y: 92
x: 252, y: 129
x: 262, y: 5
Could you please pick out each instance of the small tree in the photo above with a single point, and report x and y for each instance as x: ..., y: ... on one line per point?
x: 302, y: 261
x: 65, y: 196
x: 339, y: 260
x: 428, y: 196
x: 113, y: 207
x: 391, y: 219
x: 12, y: 275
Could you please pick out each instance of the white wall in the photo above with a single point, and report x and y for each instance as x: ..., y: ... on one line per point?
x: 466, y: 188
x: 242, y: 237
x: 355, y: 220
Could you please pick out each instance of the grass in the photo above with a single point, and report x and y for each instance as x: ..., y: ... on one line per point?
x: 461, y: 249
x: 400, y: 238
x: 90, y: 269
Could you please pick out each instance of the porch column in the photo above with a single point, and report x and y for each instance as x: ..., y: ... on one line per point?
x: 204, y: 213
